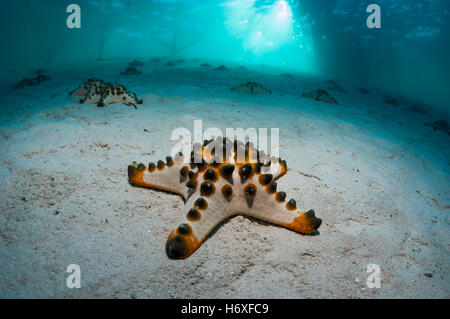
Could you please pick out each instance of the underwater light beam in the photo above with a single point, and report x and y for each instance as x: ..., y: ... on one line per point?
x: 274, y: 28
x: 271, y: 32
x: 283, y: 12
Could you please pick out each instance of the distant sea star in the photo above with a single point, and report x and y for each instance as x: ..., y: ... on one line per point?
x: 97, y: 91
x: 223, y: 179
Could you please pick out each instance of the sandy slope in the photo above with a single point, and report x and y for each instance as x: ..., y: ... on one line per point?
x: 373, y: 172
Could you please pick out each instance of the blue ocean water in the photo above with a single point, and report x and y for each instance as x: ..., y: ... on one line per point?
x: 407, y: 55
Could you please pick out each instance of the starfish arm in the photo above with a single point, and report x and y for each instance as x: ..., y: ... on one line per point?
x: 270, y: 206
x: 109, y: 98
x: 255, y: 194
x: 269, y: 165
x: 80, y: 91
x: 277, y: 168
x: 106, y: 98
x: 200, y: 216
x: 170, y: 176
x: 90, y: 99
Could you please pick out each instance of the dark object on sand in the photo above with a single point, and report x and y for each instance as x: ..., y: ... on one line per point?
x: 131, y: 71
x: 440, y: 125
x: 43, y: 77
x: 320, y: 95
x: 251, y: 88
x: 333, y: 86
x: 416, y: 108
x: 221, y: 68
x: 135, y: 64
x: 391, y: 101
x: 287, y: 75
x: 40, y: 71
x: 31, y: 82
x: 97, y: 91
x: 170, y: 63
x: 363, y: 91
x: 205, y: 65
x: 156, y: 60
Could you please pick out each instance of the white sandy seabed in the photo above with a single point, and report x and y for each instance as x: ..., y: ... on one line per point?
x: 377, y: 177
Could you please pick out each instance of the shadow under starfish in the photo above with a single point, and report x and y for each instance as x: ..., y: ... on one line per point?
x: 222, y: 179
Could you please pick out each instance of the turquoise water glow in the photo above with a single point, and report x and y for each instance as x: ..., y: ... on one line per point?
x: 408, y: 55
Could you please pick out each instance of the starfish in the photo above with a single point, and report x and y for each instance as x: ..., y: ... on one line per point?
x: 251, y: 88
x: 135, y: 64
x: 221, y: 179
x: 31, y: 82
x: 131, y: 70
x: 97, y: 91
x: 320, y: 95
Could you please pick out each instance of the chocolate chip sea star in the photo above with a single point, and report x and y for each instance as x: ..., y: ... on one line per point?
x: 222, y: 178
x: 97, y: 91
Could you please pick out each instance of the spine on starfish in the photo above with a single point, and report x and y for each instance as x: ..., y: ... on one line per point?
x: 220, y: 186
